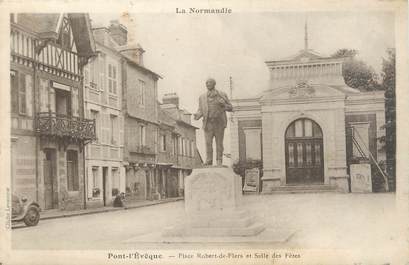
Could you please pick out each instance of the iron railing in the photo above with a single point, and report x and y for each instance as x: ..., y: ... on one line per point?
x: 63, y: 126
x: 142, y: 149
x: 355, y: 135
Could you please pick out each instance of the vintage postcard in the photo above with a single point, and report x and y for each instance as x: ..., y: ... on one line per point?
x: 204, y: 132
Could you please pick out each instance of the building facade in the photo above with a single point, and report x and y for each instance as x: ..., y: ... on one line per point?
x: 49, y: 131
x: 103, y: 103
x: 309, y: 127
x: 139, y: 106
x: 181, y: 154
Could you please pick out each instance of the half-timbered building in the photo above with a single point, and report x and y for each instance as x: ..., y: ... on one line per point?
x: 48, y: 128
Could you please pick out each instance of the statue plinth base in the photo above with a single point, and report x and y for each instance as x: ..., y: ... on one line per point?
x: 212, y: 205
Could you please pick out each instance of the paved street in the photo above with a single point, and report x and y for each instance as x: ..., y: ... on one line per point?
x: 323, y: 220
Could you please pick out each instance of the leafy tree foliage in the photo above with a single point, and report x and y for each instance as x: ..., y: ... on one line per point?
x: 388, y: 84
x: 357, y: 74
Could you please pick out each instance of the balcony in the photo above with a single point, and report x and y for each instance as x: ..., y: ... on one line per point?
x: 142, y: 149
x: 67, y: 128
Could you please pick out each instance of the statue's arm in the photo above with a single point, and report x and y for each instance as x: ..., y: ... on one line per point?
x: 226, y: 102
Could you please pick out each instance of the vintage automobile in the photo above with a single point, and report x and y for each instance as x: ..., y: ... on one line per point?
x: 25, y: 210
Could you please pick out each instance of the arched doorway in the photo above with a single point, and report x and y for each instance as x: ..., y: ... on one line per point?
x: 304, y: 158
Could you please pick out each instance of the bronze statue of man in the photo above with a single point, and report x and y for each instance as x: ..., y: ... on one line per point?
x: 212, y: 108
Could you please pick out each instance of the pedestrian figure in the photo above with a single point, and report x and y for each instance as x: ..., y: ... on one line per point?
x: 119, y: 200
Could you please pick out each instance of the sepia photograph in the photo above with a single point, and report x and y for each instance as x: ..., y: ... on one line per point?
x: 201, y: 134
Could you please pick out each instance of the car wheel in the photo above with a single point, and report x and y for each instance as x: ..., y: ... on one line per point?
x: 32, y: 216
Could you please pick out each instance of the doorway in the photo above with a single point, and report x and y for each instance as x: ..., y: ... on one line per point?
x: 304, y: 153
x: 104, y: 185
x: 50, y: 180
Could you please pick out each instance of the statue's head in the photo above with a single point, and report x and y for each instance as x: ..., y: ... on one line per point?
x: 210, y: 83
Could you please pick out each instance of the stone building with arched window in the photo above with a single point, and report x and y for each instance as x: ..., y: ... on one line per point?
x: 310, y: 129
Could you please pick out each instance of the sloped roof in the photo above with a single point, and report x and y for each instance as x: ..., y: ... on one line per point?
x: 47, y: 26
x: 81, y: 29
x: 165, y: 117
x: 39, y: 23
x: 136, y: 65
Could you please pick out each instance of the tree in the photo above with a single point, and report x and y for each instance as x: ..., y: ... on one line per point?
x: 357, y: 74
x: 388, y: 84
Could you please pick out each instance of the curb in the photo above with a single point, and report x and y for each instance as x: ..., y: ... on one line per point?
x: 104, y: 210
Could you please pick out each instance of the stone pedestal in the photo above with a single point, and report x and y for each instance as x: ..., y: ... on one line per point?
x: 212, y: 206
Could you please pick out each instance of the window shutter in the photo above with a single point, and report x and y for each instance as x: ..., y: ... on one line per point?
x: 22, y: 94
x: 43, y: 95
x: 14, y: 91
x: 29, y: 95
x: 75, y: 111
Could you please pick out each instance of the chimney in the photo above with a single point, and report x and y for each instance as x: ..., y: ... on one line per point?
x: 118, y: 32
x: 171, y: 98
x: 134, y: 52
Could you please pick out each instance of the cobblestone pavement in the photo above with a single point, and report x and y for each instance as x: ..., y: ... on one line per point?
x: 323, y: 220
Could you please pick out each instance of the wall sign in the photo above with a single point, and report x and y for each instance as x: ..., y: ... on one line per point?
x: 252, y: 180
x: 361, y: 180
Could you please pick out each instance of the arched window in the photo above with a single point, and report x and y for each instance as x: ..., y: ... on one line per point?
x: 303, y: 128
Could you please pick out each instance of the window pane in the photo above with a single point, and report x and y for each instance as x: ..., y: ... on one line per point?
x: 308, y: 128
x: 298, y: 128
x: 317, y: 150
x: 95, y: 177
x: 291, y: 131
x: 94, y: 116
x: 317, y: 130
x: 299, y: 155
x: 308, y: 154
x: 72, y: 172
x: 291, y: 155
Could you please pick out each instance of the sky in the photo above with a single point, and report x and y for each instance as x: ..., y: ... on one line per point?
x: 187, y: 49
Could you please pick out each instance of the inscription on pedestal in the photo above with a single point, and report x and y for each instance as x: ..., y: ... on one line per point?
x: 211, y: 189
x: 209, y: 192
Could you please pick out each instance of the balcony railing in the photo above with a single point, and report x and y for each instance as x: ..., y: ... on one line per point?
x: 142, y: 149
x: 70, y: 128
